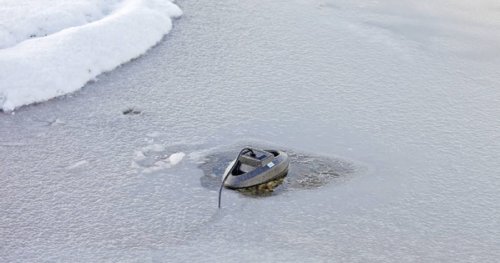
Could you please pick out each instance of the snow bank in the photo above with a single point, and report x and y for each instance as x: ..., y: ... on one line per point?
x: 24, y: 19
x: 97, y: 40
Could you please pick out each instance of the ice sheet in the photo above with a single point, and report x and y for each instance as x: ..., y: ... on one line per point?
x: 314, y: 76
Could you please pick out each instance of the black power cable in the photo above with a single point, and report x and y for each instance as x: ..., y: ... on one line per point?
x: 243, y: 151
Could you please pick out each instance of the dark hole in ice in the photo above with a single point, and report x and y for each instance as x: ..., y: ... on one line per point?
x: 306, y: 171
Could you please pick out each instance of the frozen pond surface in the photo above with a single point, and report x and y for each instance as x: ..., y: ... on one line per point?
x: 411, y: 94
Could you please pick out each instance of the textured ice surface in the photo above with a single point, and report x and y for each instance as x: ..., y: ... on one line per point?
x: 307, y: 75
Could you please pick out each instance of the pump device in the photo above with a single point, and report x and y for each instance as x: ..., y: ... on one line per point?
x: 253, y: 167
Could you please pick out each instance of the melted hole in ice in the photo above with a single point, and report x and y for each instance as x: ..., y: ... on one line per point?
x: 305, y: 172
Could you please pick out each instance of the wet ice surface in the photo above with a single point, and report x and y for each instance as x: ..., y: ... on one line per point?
x: 306, y: 171
x: 320, y: 77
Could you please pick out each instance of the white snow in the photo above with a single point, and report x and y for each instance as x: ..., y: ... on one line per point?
x: 56, y: 51
x: 176, y: 158
x: 24, y: 19
x: 153, y: 158
x: 161, y: 164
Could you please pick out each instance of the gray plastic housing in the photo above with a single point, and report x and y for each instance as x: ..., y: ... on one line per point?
x: 259, y: 159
